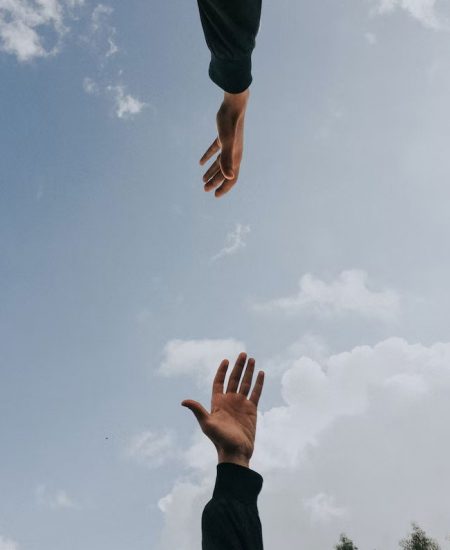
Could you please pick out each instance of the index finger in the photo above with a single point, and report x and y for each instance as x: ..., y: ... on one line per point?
x: 212, y: 149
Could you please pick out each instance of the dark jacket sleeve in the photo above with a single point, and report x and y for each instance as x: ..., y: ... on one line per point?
x: 230, y: 28
x: 230, y: 520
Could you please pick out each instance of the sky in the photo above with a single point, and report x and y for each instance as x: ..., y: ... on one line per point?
x: 124, y: 284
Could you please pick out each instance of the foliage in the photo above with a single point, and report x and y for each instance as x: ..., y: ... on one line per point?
x: 418, y: 540
x: 345, y: 544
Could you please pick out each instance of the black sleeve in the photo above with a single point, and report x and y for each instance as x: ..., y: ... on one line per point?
x: 230, y: 28
x: 230, y: 520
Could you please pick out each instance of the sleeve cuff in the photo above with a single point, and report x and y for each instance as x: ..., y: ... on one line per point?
x: 239, y: 482
x: 232, y: 75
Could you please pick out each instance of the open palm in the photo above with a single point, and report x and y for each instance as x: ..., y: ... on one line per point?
x: 231, y: 424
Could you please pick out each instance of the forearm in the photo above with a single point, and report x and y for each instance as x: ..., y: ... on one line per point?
x: 230, y: 28
x: 230, y: 520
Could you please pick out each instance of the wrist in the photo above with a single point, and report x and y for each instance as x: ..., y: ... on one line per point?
x: 234, y: 459
x: 237, y: 102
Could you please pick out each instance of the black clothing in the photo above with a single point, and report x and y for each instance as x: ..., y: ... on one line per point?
x: 230, y: 520
x: 230, y: 28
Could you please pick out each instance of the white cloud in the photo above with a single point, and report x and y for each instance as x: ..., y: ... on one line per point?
x: 182, y: 523
x: 126, y: 105
x: 360, y: 444
x: 424, y: 11
x: 198, y: 358
x: 322, y: 508
x: 57, y: 501
x: 347, y: 294
x: 31, y: 29
x: 151, y: 448
x: 8, y: 544
x: 310, y: 345
x: 26, y: 26
x: 234, y: 241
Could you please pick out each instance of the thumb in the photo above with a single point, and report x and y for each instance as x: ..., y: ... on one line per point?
x: 226, y: 159
x: 201, y: 414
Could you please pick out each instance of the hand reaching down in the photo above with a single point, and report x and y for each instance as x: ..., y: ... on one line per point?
x: 231, y: 425
x: 224, y: 171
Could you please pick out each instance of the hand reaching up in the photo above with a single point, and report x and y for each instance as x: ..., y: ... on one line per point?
x: 231, y: 424
x: 224, y: 171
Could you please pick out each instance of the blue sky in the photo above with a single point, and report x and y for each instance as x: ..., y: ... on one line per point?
x: 123, y: 284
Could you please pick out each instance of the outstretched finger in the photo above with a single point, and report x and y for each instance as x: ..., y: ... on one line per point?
x: 247, y: 379
x: 219, y: 379
x: 256, y: 393
x: 225, y: 187
x: 215, y: 181
x: 212, y: 150
x: 212, y: 170
x: 235, y: 375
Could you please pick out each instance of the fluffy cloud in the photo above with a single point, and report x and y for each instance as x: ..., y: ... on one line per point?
x: 57, y: 501
x: 359, y: 444
x: 35, y: 28
x: 234, y: 241
x: 151, y: 448
x: 198, y: 358
x: 424, y: 11
x: 347, y: 294
x: 7, y: 544
x: 26, y: 26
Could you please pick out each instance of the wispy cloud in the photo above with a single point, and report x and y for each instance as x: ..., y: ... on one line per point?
x: 102, y: 41
x: 90, y: 86
x: 126, y: 106
x: 322, y: 508
x: 348, y: 294
x: 58, y: 500
x: 151, y: 448
x: 102, y: 34
x: 424, y: 11
x: 234, y: 242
